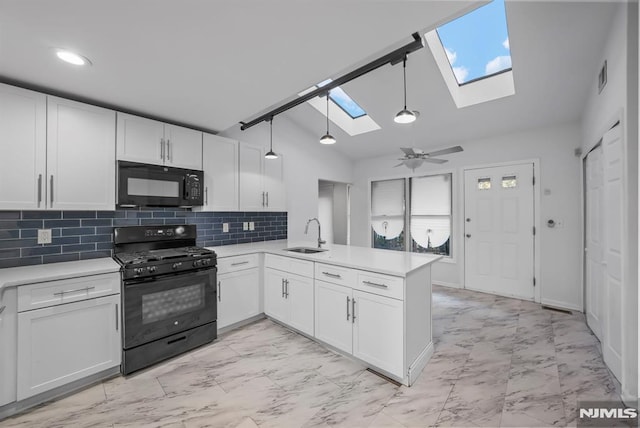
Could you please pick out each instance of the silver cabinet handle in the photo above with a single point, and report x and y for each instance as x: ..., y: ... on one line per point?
x: 348, y: 308
x: 375, y: 284
x: 39, y: 189
x: 263, y: 199
x: 162, y: 148
x: 219, y: 291
x: 206, y: 196
x: 332, y: 275
x: 117, y: 326
x: 240, y: 263
x: 283, y: 288
x: 2, y: 309
x: 168, y: 149
x: 286, y: 288
x: 60, y: 293
x: 353, y: 310
x: 51, y: 189
x: 267, y: 199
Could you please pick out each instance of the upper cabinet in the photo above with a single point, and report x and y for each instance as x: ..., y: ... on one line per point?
x: 261, y: 181
x: 150, y: 141
x: 220, y: 165
x: 56, y: 153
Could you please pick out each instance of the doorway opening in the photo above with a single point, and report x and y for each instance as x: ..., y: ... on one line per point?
x: 334, y: 211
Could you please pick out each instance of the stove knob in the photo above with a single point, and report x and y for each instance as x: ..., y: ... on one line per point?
x: 137, y: 271
x: 175, y: 266
x: 152, y: 269
x: 197, y: 263
x: 206, y: 261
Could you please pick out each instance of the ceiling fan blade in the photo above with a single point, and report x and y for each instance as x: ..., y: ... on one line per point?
x: 408, y: 151
x: 455, y: 149
x: 400, y: 164
x: 433, y: 160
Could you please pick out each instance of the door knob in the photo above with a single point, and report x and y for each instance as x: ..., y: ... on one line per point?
x: 468, y: 235
x: 468, y: 220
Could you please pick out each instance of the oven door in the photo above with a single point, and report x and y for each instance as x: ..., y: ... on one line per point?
x: 162, y: 306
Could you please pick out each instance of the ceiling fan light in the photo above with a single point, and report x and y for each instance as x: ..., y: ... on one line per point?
x: 413, y: 163
x: 405, y: 116
x: 327, y: 139
x: 271, y: 155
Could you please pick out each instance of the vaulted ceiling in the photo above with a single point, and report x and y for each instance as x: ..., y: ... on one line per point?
x: 211, y: 64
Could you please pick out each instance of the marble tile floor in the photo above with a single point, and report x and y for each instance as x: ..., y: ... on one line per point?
x: 497, y: 362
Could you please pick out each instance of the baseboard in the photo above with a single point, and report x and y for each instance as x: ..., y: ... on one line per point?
x: 629, y: 400
x: 418, y: 365
x: 560, y: 305
x: 446, y: 284
x: 242, y: 323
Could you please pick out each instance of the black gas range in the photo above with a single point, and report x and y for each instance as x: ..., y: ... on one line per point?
x: 168, y: 293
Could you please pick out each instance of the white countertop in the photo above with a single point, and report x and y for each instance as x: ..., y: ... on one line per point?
x: 397, y: 263
x: 11, y: 277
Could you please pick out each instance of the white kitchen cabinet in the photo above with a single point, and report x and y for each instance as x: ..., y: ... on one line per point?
x: 150, y: 141
x: 289, y: 299
x: 378, y: 331
x: 81, y: 166
x: 261, y: 181
x: 65, y: 332
x: 333, y: 323
x: 238, y: 296
x: 221, y: 176
x: 23, y: 145
x: 8, y: 345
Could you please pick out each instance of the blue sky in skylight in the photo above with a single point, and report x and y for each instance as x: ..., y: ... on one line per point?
x: 344, y: 101
x: 477, y: 44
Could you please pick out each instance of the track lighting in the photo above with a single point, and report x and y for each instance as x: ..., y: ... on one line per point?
x: 271, y: 154
x: 327, y: 138
x: 404, y: 115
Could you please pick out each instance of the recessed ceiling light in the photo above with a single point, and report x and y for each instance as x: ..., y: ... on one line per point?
x: 72, y: 58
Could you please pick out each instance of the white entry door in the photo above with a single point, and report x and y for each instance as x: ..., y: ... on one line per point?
x: 613, y: 250
x: 594, y: 233
x: 499, y: 230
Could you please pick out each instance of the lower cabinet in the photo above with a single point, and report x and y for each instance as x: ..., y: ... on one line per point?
x: 289, y: 299
x: 8, y: 344
x: 67, y: 342
x: 238, y: 296
x: 363, y: 324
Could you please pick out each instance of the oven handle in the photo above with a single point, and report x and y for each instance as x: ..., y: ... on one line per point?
x: 219, y: 291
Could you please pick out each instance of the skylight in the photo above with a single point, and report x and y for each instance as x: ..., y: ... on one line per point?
x: 477, y: 44
x: 344, y: 101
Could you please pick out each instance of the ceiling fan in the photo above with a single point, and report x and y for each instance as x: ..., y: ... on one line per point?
x: 413, y: 158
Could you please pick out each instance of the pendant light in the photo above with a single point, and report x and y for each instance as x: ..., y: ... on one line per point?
x: 271, y: 154
x: 404, y: 115
x: 327, y: 138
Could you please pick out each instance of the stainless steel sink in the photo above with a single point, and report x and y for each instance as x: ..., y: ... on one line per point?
x: 305, y: 250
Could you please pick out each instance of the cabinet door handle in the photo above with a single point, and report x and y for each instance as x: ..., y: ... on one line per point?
x: 206, y: 196
x: 117, y: 326
x: 332, y: 275
x: 161, y: 148
x: 263, y: 199
x: 240, y: 263
x: 39, y: 189
x: 375, y: 284
x: 61, y: 293
x: 51, y: 189
x: 168, y: 149
x: 283, y: 288
x: 2, y: 309
x: 219, y: 291
x: 348, y: 308
x: 267, y: 199
x: 286, y: 288
x: 353, y: 310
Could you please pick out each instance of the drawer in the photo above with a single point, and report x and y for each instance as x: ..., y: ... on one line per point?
x: 336, y: 274
x: 289, y: 264
x: 236, y: 263
x: 384, y: 285
x: 52, y: 293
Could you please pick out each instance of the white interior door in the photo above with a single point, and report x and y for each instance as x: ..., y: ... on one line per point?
x: 594, y: 224
x: 499, y: 234
x: 613, y: 250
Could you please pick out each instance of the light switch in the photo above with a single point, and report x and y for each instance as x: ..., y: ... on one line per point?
x: 245, y: 226
x: 252, y: 226
x: 225, y: 227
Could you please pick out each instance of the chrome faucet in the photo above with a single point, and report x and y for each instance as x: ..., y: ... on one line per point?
x: 306, y: 230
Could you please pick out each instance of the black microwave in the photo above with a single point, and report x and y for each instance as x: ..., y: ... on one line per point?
x: 144, y: 185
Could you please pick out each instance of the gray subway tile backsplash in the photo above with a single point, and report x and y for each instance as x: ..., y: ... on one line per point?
x: 82, y: 235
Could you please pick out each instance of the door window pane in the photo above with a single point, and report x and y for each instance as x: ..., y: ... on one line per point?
x: 431, y: 214
x: 387, y: 214
x: 484, y: 183
x: 509, y: 181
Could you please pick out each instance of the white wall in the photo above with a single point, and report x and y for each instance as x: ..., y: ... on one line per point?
x: 559, y: 174
x: 619, y: 101
x: 325, y: 210
x: 340, y: 213
x: 305, y: 162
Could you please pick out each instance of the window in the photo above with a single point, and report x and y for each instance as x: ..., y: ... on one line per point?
x: 509, y: 181
x: 344, y: 101
x: 431, y: 214
x: 428, y: 218
x: 477, y: 44
x: 484, y: 184
x: 387, y: 214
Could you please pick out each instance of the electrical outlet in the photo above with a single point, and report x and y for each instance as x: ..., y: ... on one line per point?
x: 225, y: 227
x: 44, y: 236
x: 245, y: 226
x: 252, y: 226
